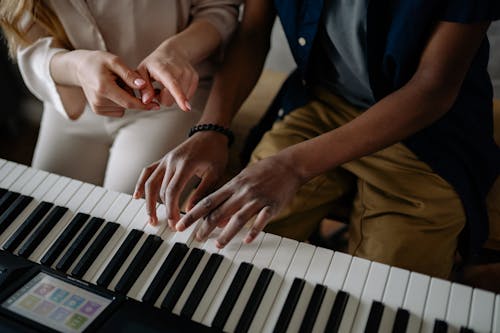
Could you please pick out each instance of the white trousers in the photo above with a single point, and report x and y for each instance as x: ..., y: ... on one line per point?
x: 111, y: 152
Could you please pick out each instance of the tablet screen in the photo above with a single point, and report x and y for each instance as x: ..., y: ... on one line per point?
x: 57, y: 304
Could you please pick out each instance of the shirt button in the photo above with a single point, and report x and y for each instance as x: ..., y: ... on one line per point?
x: 302, y: 41
x: 281, y: 113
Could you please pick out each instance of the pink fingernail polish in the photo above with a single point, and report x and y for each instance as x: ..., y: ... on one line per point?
x: 139, y: 82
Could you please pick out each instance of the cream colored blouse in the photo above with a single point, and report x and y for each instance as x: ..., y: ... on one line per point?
x: 131, y: 29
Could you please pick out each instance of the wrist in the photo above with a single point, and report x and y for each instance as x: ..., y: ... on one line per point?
x: 173, y: 49
x: 213, y: 128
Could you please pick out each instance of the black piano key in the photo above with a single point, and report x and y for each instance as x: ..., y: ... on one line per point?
x: 289, y: 306
x: 182, y: 279
x: 232, y: 295
x: 313, y: 308
x: 119, y: 258
x: 401, y: 321
x: 375, y: 317
x: 201, y: 285
x: 440, y: 326
x: 41, y: 231
x: 466, y: 330
x: 27, y: 226
x: 79, y: 244
x: 165, y: 273
x: 144, y: 255
x: 7, y: 199
x: 2, y: 191
x: 13, y: 211
x: 337, y: 312
x: 253, y: 303
x: 63, y: 240
x: 94, y: 249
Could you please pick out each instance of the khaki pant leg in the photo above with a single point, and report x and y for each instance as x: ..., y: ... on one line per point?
x: 404, y: 214
x: 493, y: 198
x: 321, y: 195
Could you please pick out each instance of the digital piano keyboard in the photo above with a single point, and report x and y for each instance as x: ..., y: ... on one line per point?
x: 165, y: 281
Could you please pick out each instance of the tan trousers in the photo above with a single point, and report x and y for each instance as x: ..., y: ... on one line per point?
x: 403, y: 214
x: 112, y: 151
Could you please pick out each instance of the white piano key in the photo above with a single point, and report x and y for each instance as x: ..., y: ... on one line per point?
x: 146, y: 278
x: 416, y: 295
x: 262, y: 259
x: 56, y: 189
x: 45, y: 186
x: 229, y: 252
x: 209, y: 248
x: 34, y: 182
x: 2, y: 162
x: 42, y: 185
x: 125, y: 220
x: 104, y: 204
x: 92, y: 200
x: 121, y: 271
x: 62, y: 199
x: 373, y: 291
x: 394, y: 295
x: 129, y: 213
x: 279, y: 266
x: 111, y: 215
x: 117, y: 207
x: 458, y: 307
x: 100, y: 210
x: 354, y: 283
x: 496, y: 315
x: 80, y: 255
x: 38, y: 195
x: 334, y: 280
x: 297, y: 268
x: 246, y: 253
x: 11, y: 178
x: 436, y: 304
x: 481, y: 312
x: 315, y: 274
x: 19, y: 184
x: 76, y: 201
x: 73, y: 202
x: 139, y: 288
x: 95, y: 270
x: 67, y: 193
x: 6, y: 169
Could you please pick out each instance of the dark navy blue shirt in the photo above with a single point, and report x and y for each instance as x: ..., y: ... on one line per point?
x: 460, y: 145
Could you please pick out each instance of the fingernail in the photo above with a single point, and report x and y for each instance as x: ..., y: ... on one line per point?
x: 139, y: 82
x: 180, y: 226
x: 152, y: 221
x: 136, y: 195
x: 145, y: 98
x: 188, y: 106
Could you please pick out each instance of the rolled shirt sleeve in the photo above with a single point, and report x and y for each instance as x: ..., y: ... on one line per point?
x: 34, y: 65
x: 222, y: 14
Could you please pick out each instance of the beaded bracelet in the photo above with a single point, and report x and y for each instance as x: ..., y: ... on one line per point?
x: 213, y: 127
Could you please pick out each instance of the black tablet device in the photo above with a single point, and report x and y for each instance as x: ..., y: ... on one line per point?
x: 48, y: 302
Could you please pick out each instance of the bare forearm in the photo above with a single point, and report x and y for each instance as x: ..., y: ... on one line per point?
x: 391, y: 120
x: 234, y: 82
x: 243, y: 64
x: 63, y: 67
x: 425, y: 98
x: 197, y: 42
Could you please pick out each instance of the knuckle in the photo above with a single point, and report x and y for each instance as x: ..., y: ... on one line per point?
x: 207, y: 202
x: 114, y: 59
